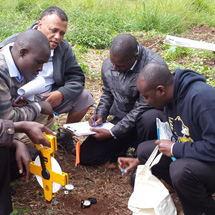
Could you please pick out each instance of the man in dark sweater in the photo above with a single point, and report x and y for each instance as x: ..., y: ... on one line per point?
x: 134, y: 119
x: 190, y: 110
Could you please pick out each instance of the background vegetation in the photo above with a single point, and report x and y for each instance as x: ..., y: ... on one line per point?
x: 94, y: 23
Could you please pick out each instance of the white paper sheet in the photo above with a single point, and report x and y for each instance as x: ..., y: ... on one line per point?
x: 183, y: 42
x: 83, y: 128
x: 31, y: 88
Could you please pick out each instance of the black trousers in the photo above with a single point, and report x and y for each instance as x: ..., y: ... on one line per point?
x: 95, y: 152
x: 5, y: 194
x: 193, y: 180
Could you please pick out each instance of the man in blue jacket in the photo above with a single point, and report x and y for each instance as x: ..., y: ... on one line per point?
x: 190, y: 110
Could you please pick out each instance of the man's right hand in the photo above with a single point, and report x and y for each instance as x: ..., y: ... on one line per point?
x: 94, y: 121
x: 46, y: 108
x: 127, y: 164
x: 35, y: 131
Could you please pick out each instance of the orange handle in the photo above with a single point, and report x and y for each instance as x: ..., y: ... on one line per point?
x: 77, y: 147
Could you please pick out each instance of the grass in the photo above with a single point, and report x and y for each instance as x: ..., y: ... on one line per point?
x: 94, y: 23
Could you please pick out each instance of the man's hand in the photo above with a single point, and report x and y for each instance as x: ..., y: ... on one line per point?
x: 101, y: 133
x: 127, y: 164
x: 165, y: 146
x: 22, y: 102
x: 97, y: 122
x: 54, y: 98
x: 35, y: 131
x: 46, y: 108
x: 22, y: 157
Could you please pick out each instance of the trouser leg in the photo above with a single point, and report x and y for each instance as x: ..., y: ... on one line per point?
x: 194, y: 182
x: 95, y: 152
x: 160, y: 170
x: 5, y: 194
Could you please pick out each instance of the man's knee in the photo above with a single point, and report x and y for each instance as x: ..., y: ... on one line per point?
x: 180, y: 172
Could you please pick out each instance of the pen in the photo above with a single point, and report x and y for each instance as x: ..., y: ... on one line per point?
x: 17, y: 99
x: 94, y: 116
x: 55, y: 113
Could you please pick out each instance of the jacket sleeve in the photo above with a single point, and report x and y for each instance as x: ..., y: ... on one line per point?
x: 129, y: 121
x: 6, y: 132
x: 25, y: 113
x: 68, y: 75
x: 107, y: 98
x: 203, y: 149
x: 105, y: 103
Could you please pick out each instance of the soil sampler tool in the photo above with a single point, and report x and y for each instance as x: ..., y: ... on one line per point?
x: 47, y: 170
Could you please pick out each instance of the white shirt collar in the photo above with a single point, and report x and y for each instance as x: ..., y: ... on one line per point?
x: 13, y: 71
x: 136, y: 60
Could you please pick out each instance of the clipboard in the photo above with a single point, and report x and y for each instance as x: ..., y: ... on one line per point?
x: 83, y: 128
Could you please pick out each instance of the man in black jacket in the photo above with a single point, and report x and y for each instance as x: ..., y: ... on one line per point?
x: 133, y: 118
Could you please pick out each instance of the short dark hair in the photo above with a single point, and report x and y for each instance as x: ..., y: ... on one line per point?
x: 156, y: 74
x: 124, y: 45
x: 55, y: 10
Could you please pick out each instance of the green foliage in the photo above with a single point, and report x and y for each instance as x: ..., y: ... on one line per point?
x: 20, y: 211
x: 173, y: 52
x: 94, y: 23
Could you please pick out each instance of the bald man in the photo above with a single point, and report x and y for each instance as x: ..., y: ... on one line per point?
x: 189, y: 109
x: 19, y: 64
x: 134, y: 119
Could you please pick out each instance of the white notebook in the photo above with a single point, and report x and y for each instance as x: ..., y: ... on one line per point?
x: 83, y: 128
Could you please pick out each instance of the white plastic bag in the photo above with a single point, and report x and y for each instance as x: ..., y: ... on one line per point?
x: 150, y: 196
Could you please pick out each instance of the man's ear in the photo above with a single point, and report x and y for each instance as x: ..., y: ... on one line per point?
x: 23, y: 52
x: 160, y: 89
x: 39, y: 24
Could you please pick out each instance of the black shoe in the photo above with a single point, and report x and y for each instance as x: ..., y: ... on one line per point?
x: 132, y: 178
x: 66, y: 141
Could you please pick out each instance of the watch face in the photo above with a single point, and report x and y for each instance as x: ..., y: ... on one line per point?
x: 85, y: 203
x: 69, y: 187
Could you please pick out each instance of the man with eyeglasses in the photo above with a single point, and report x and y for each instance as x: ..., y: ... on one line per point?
x: 134, y: 119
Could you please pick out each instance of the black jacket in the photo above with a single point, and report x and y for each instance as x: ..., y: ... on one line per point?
x: 121, y: 97
x: 192, y: 116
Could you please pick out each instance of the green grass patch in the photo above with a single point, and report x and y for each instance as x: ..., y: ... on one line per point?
x: 94, y: 23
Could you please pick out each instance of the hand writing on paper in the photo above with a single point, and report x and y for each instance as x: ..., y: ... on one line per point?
x: 98, y: 120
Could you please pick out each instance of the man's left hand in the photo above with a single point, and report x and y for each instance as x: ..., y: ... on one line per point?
x: 101, y: 133
x: 165, y: 146
x: 54, y: 98
x: 22, y: 157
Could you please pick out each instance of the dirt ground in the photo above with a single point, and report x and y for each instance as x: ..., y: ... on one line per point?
x: 105, y: 182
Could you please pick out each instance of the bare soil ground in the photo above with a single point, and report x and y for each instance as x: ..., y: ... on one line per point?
x: 105, y: 182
